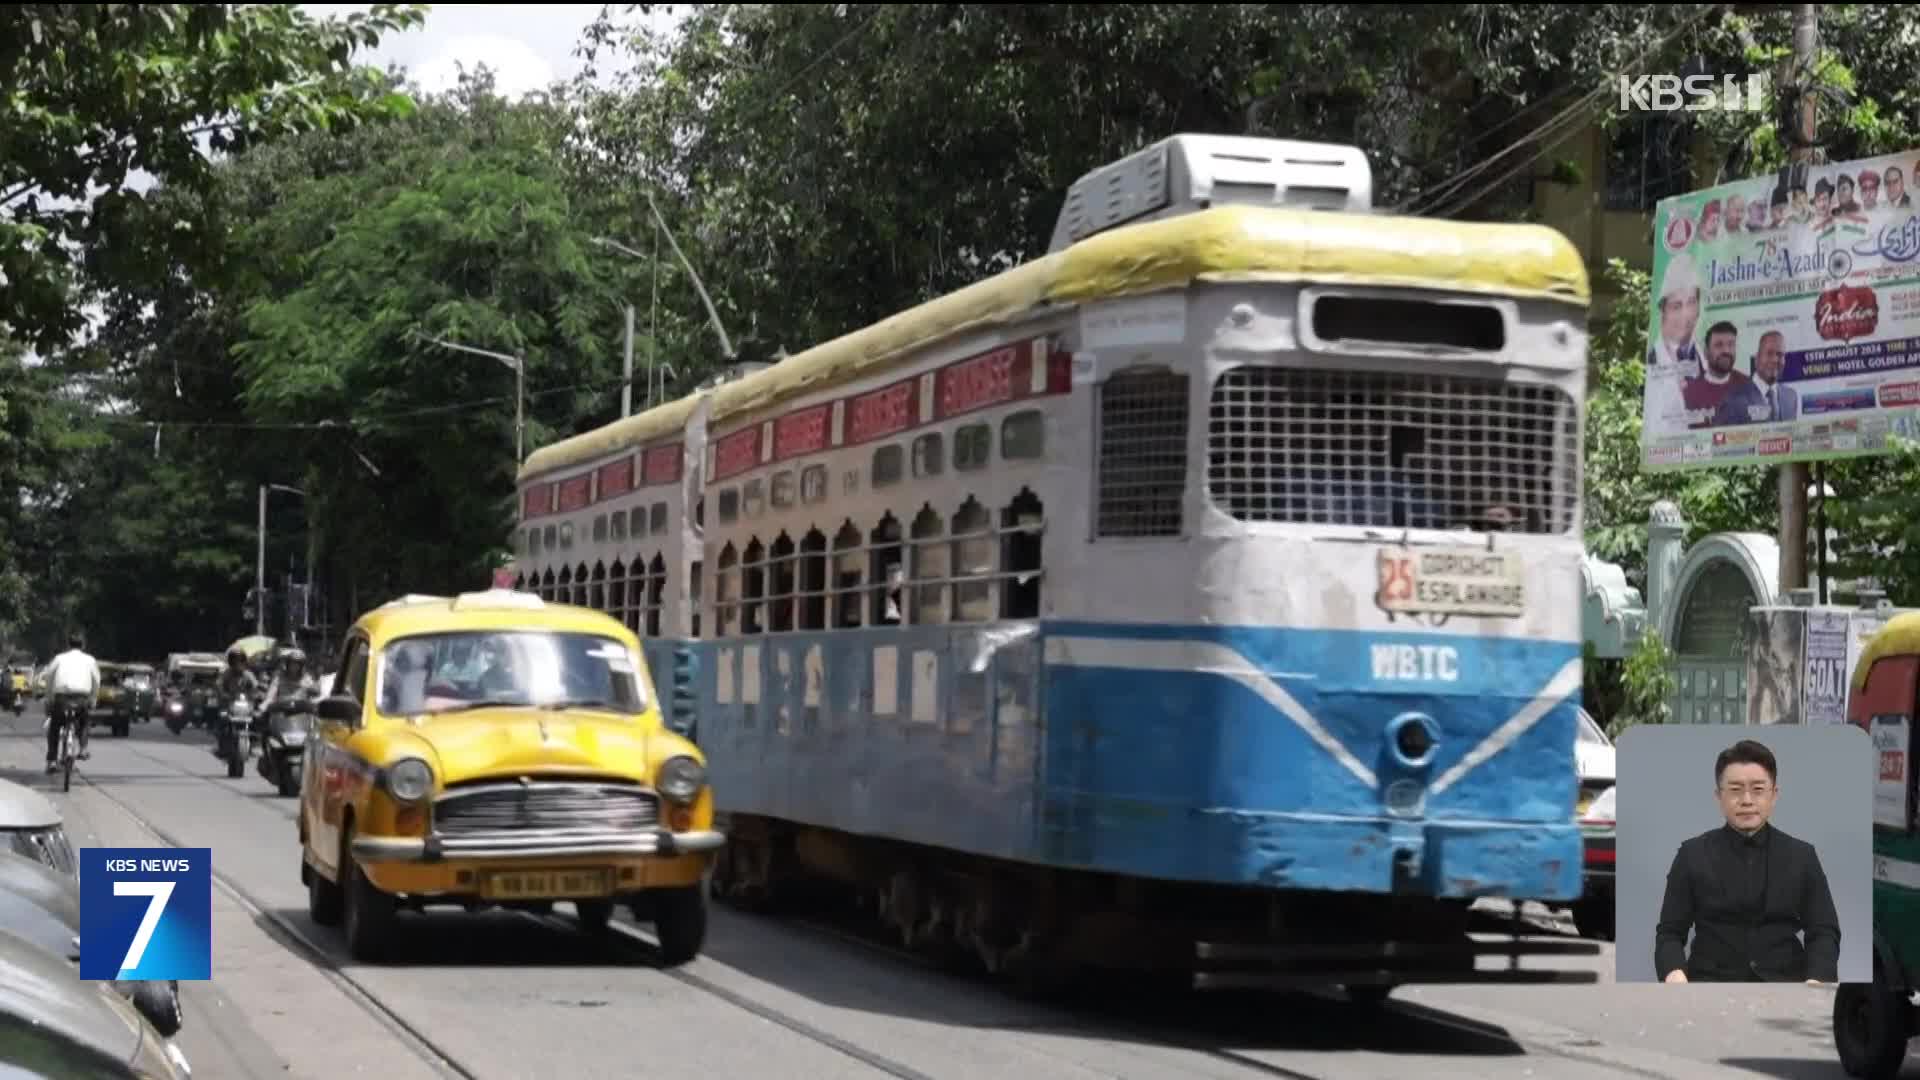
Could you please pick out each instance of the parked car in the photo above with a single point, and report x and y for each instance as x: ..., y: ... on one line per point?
x: 1594, y: 755
x: 496, y: 750
x: 31, y: 826
x: 56, y: 1025
x: 42, y: 906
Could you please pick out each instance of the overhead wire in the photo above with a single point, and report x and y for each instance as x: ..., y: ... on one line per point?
x: 1441, y: 195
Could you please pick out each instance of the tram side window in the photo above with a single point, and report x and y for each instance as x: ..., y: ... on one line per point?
x: 1141, y: 474
x: 783, y: 490
x: 656, y: 594
x: 973, y: 563
x: 600, y: 529
x: 847, y: 577
x: 888, y: 574
x: 637, y: 522
x: 617, y: 591
x: 753, y: 500
x: 813, y: 484
x: 659, y: 523
x: 781, y: 595
x: 1023, y: 436
x: 928, y: 455
x: 930, y: 566
x: 887, y: 466
x: 693, y: 607
x: 753, y: 590
x: 533, y: 541
x: 619, y: 523
x: 1021, y: 524
x: 729, y: 505
x: 972, y: 447
x: 726, y: 592
x: 813, y: 580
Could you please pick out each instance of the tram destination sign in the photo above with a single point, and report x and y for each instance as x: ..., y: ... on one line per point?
x: 1451, y: 581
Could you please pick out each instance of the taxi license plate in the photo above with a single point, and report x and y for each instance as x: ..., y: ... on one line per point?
x: 544, y: 884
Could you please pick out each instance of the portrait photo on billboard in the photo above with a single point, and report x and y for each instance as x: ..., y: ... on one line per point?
x: 1744, y: 854
x: 1783, y: 324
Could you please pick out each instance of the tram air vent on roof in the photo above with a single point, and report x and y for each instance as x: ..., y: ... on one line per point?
x: 1189, y: 173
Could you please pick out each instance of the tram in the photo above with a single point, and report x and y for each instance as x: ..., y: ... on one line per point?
x: 1199, y: 597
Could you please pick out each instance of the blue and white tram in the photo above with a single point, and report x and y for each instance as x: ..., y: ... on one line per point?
x: 1201, y: 595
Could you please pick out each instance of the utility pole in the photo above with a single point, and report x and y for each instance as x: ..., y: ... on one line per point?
x: 1793, y: 476
x: 626, y: 384
x: 260, y: 571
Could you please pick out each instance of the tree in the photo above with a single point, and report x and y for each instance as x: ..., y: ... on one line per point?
x: 96, y: 92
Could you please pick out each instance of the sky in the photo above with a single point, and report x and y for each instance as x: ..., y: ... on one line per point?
x: 527, y: 47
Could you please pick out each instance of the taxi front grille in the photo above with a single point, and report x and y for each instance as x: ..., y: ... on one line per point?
x: 574, y: 807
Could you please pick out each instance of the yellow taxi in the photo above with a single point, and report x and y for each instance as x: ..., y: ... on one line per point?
x: 496, y: 750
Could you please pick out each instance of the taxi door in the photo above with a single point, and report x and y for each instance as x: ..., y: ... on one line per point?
x: 1884, y: 706
x: 327, y: 769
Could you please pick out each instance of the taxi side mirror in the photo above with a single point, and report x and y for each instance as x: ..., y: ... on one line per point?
x: 338, y: 710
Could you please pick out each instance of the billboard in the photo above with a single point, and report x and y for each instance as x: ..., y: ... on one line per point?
x: 1785, y: 323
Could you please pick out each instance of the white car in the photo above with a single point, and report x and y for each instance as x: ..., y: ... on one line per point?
x: 1593, y: 913
x: 31, y: 826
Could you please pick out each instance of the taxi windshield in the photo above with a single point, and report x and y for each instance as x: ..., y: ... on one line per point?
x: 453, y: 672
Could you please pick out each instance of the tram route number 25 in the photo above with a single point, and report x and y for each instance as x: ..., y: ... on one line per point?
x: 1396, y: 578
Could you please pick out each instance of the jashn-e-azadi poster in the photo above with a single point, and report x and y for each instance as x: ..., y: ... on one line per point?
x: 1786, y: 317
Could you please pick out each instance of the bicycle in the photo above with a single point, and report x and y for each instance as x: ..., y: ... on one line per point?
x: 73, y: 716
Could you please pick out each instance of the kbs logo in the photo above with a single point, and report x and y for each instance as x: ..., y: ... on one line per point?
x: 146, y: 913
x: 1847, y: 312
x: 1694, y: 93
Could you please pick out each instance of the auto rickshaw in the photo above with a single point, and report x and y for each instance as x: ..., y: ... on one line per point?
x: 192, y: 682
x: 17, y: 686
x: 1872, y: 1022
x: 107, y: 708
x: 138, y: 695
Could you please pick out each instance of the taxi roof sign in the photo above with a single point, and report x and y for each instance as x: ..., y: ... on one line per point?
x: 498, y: 599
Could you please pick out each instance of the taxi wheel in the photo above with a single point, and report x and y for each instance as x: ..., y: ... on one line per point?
x: 594, y: 915
x: 1871, y: 1025
x: 323, y: 896
x: 370, y: 912
x: 680, y: 922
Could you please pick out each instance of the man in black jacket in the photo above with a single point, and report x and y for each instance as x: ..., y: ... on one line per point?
x: 1747, y: 890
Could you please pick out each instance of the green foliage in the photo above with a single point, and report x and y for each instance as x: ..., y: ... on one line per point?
x: 1647, y: 685
x: 94, y: 92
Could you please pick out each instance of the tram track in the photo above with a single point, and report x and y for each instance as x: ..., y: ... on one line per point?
x: 639, y: 946
x: 636, y: 944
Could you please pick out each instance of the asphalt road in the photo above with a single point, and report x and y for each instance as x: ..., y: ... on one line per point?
x: 507, y: 997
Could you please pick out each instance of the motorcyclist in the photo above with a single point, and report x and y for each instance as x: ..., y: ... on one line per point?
x: 291, y: 683
x: 73, y: 688
x: 237, y: 679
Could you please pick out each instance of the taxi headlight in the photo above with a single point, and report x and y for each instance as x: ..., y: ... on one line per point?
x: 682, y: 778
x: 409, y: 780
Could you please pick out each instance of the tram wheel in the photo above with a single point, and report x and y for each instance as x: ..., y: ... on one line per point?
x: 1871, y: 1026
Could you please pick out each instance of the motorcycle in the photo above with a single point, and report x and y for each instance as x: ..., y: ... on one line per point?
x: 285, y: 743
x: 175, y: 711
x: 236, y: 740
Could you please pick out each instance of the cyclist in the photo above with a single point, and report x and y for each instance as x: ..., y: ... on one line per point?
x: 73, y: 688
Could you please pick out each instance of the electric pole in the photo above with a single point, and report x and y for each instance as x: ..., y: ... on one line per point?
x: 1793, y: 476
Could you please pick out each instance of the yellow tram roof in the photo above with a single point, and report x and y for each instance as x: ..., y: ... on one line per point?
x: 1225, y: 244
x: 1900, y: 637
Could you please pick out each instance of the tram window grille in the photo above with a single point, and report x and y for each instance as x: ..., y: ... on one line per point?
x: 1392, y: 450
x: 783, y: 490
x: 1143, y: 454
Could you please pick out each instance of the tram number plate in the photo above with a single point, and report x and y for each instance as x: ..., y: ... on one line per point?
x: 544, y: 884
x: 1452, y: 581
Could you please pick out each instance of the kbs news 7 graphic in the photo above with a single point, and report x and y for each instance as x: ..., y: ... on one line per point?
x: 146, y: 913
